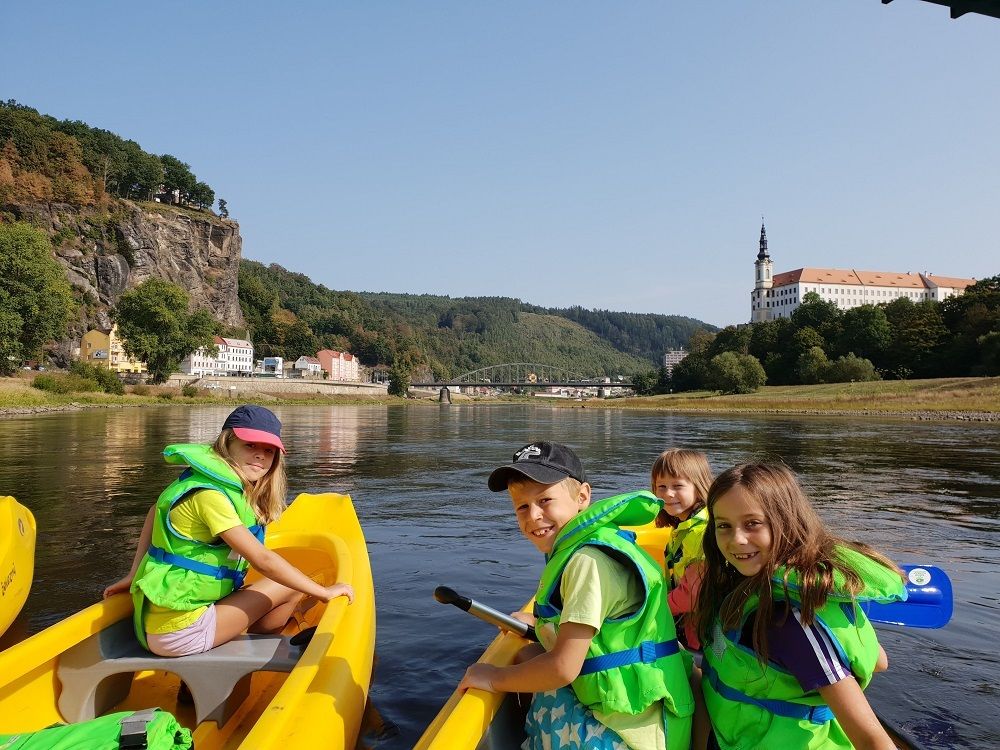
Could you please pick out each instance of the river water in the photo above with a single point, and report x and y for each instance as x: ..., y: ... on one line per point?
x: 924, y: 492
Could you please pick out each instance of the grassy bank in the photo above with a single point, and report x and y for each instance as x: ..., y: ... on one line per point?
x: 942, y: 398
x: 18, y: 397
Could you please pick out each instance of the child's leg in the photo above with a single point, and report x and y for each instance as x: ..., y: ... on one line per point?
x: 700, y: 725
x: 262, y: 607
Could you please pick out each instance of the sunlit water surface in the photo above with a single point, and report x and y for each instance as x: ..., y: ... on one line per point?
x: 923, y: 492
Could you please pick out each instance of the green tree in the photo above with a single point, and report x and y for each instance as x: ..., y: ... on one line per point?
x: 850, y: 368
x: 865, y: 330
x: 812, y: 365
x: 399, y: 380
x: 223, y: 208
x: 644, y: 383
x: 202, y: 195
x: 919, y: 336
x: 970, y: 317
x: 735, y: 373
x: 177, y: 176
x: 35, y: 297
x: 157, y: 327
x: 822, y: 316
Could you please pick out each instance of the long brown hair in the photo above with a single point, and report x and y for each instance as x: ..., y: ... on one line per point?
x: 799, y: 542
x: 683, y: 464
x: 267, y: 495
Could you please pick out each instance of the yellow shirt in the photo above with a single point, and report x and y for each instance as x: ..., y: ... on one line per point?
x: 201, y: 516
x: 594, y: 587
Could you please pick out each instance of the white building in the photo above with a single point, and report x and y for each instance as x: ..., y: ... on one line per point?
x: 308, y: 367
x: 779, y: 295
x: 233, y: 357
x: 672, y: 357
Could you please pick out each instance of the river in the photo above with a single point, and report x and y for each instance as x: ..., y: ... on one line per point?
x: 925, y: 492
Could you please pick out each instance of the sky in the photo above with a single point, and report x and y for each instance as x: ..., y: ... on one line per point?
x: 616, y: 155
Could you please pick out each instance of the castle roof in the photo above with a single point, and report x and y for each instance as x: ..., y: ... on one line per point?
x: 869, y: 278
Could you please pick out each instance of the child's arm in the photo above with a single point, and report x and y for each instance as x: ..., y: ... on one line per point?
x: 141, y: 546
x: 855, y: 715
x: 683, y: 597
x: 272, y: 565
x: 548, y: 671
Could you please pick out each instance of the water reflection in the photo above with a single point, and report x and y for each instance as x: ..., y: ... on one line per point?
x: 921, y: 491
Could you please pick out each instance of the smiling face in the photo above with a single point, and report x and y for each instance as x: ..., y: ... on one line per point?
x: 543, y: 509
x: 679, y: 496
x: 253, y: 459
x: 742, y: 531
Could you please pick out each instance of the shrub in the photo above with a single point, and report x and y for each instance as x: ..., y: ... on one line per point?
x: 108, y: 381
x: 850, y: 368
x: 189, y: 391
x: 735, y: 373
x: 70, y: 383
x: 165, y: 396
x: 140, y: 390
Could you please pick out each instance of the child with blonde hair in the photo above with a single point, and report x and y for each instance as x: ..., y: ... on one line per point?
x: 680, y: 478
x: 204, y: 531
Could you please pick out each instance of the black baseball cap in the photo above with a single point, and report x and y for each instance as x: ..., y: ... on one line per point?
x: 542, y: 462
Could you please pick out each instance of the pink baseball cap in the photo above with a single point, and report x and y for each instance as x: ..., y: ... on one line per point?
x: 255, y: 424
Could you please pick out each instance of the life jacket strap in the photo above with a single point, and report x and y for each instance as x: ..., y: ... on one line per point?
x: 646, y: 652
x: 219, y: 572
x: 820, y: 714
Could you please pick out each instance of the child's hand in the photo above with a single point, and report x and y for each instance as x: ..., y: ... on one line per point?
x: 341, y: 589
x: 479, y: 676
x: 118, y: 587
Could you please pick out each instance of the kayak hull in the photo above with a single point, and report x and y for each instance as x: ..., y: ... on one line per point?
x: 17, y: 558
x: 320, y: 703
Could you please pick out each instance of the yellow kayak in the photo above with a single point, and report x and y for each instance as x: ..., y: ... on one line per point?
x: 316, y: 700
x: 488, y: 721
x: 17, y: 558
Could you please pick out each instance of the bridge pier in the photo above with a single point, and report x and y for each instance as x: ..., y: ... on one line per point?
x: 444, y: 395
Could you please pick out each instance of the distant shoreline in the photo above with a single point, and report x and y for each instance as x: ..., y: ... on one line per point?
x: 949, y: 399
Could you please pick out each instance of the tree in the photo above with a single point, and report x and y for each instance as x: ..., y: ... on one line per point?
x: 202, y: 195
x: 177, y: 176
x: 849, y: 369
x: 399, y: 380
x: 35, y: 298
x: 865, y: 330
x: 644, y: 383
x: 735, y: 373
x: 157, y: 327
x: 822, y: 316
x: 223, y: 208
x: 812, y: 365
x: 918, y: 337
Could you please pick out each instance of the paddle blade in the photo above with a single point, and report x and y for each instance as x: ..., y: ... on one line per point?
x: 929, y: 600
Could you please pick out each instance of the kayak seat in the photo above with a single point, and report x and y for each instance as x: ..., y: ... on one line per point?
x: 97, y: 673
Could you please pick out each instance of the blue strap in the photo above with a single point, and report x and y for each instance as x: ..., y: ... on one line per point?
x: 820, y: 714
x: 646, y: 652
x: 215, y: 571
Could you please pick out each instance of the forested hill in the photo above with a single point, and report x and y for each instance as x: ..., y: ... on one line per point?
x: 442, y: 336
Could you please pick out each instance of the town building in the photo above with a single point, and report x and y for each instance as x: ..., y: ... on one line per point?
x: 779, y: 295
x: 339, y: 365
x: 672, y: 357
x: 307, y: 367
x: 232, y: 357
x: 103, y: 347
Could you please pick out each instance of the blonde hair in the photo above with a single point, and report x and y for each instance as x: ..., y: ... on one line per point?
x: 573, y: 485
x: 267, y: 495
x: 799, y: 542
x: 683, y: 464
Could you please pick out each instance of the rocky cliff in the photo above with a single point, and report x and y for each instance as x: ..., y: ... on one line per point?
x: 108, y: 252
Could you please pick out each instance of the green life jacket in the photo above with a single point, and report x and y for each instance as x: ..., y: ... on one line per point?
x: 762, y: 706
x: 153, y: 729
x: 181, y: 573
x: 685, y: 546
x: 634, y: 660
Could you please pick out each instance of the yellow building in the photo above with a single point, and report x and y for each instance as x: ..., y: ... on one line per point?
x: 103, y: 348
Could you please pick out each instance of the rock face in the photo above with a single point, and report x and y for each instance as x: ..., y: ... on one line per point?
x: 106, y: 253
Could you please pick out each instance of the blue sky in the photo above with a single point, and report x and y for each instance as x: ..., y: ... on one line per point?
x: 613, y: 154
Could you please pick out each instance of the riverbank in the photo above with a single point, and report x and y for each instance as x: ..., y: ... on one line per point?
x: 965, y: 399
x: 17, y: 397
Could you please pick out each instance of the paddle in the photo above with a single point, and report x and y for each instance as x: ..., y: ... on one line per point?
x: 929, y: 602
x: 446, y: 595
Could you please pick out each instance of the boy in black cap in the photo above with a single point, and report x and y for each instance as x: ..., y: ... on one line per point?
x: 608, y: 672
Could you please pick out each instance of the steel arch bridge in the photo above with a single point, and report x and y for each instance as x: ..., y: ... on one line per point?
x: 521, y: 374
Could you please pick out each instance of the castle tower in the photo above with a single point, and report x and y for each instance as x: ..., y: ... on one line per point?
x: 763, y: 281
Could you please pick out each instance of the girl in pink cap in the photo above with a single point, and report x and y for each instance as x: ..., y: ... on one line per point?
x: 204, y: 531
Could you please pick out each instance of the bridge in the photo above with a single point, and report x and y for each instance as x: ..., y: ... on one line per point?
x: 524, y: 375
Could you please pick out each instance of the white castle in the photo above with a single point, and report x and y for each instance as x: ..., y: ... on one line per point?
x: 777, y: 296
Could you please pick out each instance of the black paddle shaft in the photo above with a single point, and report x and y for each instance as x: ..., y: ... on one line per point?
x: 447, y: 595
